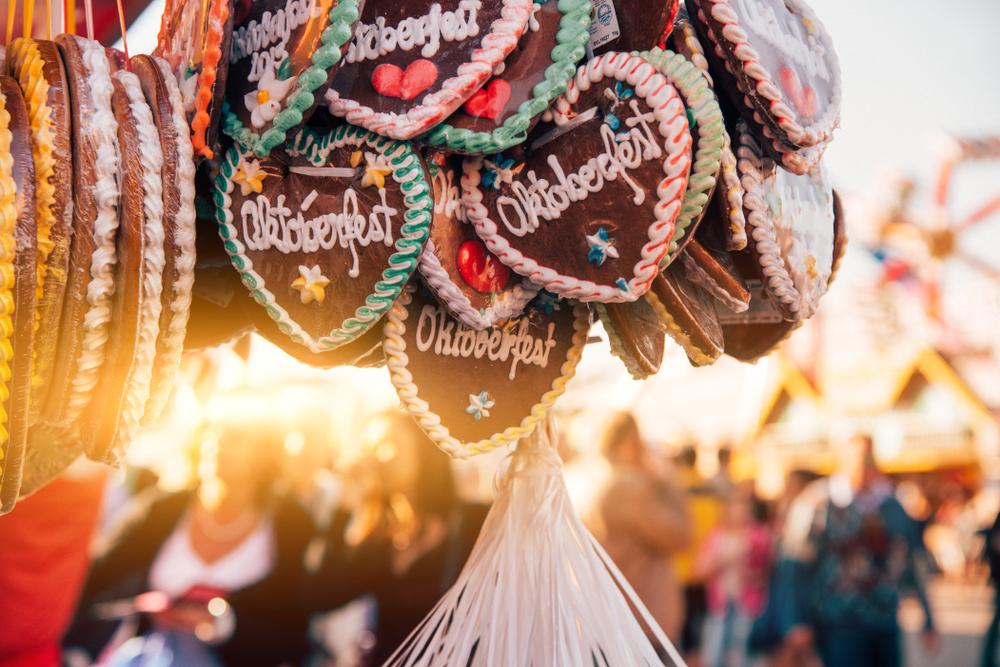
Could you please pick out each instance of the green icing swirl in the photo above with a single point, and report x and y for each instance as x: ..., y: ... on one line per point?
x: 699, y: 98
x: 417, y: 195
x: 337, y: 33
x: 570, y: 48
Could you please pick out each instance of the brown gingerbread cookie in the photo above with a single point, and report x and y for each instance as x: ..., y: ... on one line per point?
x: 25, y: 237
x: 179, y: 236
x: 713, y: 271
x: 636, y: 334
x: 689, y: 315
x: 631, y: 25
x: 86, y: 315
x: 38, y: 68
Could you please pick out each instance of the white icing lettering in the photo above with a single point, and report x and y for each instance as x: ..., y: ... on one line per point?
x: 373, y: 40
x: 266, y: 39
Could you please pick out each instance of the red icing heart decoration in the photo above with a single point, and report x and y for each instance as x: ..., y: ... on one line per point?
x: 390, y: 80
x: 804, y: 99
x: 488, y: 102
x: 480, y: 268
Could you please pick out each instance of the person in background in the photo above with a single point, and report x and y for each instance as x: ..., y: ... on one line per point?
x: 705, y: 507
x: 863, y: 553
x: 43, y: 562
x: 643, y: 521
x: 734, y: 564
x: 780, y: 631
x: 214, y: 571
x: 722, y: 481
x: 991, y: 642
x: 405, y: 544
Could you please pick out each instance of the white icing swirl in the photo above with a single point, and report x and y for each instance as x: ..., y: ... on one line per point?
x: 153, y: 260
x: 671, y: 122
x: 172, y: 339
x: 102, y: 135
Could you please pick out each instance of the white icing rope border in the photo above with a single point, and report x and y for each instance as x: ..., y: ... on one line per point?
x: 703, y: 279
x: 102, y: 131
x: 751, y: 163
x: 151, y: 161
x: 166, y: 367
x: 397, y: 360
x: 670, y: 114
x: 822, y: 128
x: 501, y: 39
x: 732, y: 191
x: 450, y: 294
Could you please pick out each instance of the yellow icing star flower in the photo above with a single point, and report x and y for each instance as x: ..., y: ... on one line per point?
x: 376, y: 169
x: 311, y: 284
x: 250, y: 177
x: 356, y: 158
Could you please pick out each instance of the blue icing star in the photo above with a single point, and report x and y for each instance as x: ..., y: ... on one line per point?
x: 479, y: 405
x: 547, y: 302
x: 601, y: 247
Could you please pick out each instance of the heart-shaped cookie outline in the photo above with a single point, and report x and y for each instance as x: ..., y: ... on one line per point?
x: 430, y: 422
x: 449, y: 293
x: 571, y: 47
x: 754, y: 81
x: 334, y: 37
x: 495, y: 45
x: 672, y: 128
x: 699, y: 98
x: 407, y: 169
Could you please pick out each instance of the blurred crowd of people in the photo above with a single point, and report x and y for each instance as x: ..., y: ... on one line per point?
x: 270, y: 559
x: 813, y: 578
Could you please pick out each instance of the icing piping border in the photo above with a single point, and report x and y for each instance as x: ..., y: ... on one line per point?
x: 408, y: 171
x: 103, y: 131
x: 210, y: 59
x: 441, y: 283
x: 430, y: 422
x: 8, y: 220
x: 821, y: 130
x: 169, y: 360
x: 571, y: 44
x: 673, y: 128
x: 699, y: 99
x: 335, y: 35
x: 494, y: 47
x: 140, y: 375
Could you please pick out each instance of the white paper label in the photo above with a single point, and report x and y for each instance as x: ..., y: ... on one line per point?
x: 604, y: 27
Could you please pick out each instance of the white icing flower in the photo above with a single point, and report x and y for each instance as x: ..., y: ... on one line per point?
x: 311, y: 284
x: 479, y: 405
x: 265, y: 102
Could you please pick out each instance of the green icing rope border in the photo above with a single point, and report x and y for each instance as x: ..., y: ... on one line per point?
x: 337, y: 33
x: 407, y: 170
x: 699, y: 98
x: 571, y: 44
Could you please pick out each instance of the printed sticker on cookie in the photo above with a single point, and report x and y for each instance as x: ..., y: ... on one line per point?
x: 410, y: 65
x: 626, y: 25
x: 593, y: 210
x: 475, y: 286
x: 326, y: 240
x: 783, y: 71
x: 500, y: 114
x: 283, y: 55
x: 473, y: 390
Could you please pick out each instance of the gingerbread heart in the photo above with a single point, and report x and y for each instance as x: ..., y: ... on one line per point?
x: 283, y: 57
x: 501, y: 114
x: 463, y: 274
x: 326, y: 237
x: 442, y: 52
x: 591, y: 211
x: 473, y: 390
x: 778, y: 64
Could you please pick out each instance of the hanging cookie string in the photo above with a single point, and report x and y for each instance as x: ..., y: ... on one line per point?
x: 121, y: 22
x: 28, y: 19
x: 88, y: 13
x: 69, y: 17
x: 48, y: 19
x: 11, y: 12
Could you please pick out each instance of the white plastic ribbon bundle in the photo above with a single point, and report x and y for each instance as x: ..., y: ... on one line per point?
x: 538, y: 589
